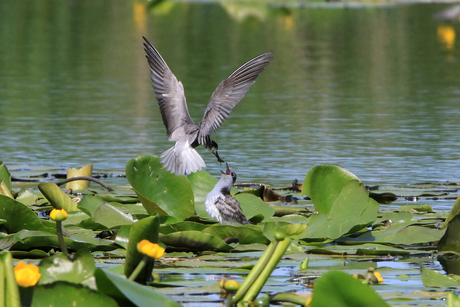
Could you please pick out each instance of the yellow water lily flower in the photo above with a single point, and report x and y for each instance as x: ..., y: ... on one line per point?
x: 150, y: 249
x: 58, y: 215
x: 27, y: 275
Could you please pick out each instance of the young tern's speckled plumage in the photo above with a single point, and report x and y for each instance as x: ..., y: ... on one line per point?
x: 221, y: 205
x: 182, y: 158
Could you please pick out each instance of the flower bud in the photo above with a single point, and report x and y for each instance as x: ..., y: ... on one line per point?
x: 27, y: 275
x: 150, y: 249
x: 58, y: 215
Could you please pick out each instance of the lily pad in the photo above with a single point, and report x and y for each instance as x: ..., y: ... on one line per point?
x: 339, y: 289
x: 194, y: 241
x: 77, y: 185
x: 160, y: 191
x: 60, y: 267
x: 246, y: 234
x: 64, y: 294
x: 351, y: 210
x: 450, y: 241
x: 253, y: 206
x: 125, y: 290
x: 432, y: 278
x: 5, y: 176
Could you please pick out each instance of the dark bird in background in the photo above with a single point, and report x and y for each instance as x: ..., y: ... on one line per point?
x: 222, y: 206
x: 182, y: 158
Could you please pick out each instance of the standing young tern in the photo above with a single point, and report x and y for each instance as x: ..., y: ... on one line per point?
x: 182, y: 158
x: 221, y: 205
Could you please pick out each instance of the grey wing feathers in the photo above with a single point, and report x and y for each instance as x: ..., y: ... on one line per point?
x: 229, y: 93
x: 168, y: 90
x: 230, y: 209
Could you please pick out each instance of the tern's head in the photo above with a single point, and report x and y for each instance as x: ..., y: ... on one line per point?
x: 229, y: 174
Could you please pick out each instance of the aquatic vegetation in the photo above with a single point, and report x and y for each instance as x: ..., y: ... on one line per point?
x: 106, y: 245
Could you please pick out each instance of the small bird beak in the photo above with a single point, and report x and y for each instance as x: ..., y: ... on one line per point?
x: 228, y: 170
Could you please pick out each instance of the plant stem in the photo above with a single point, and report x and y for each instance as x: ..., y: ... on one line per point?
x: 139, y: 268
x: 61, y: 239
x: 267, y: 270
x: 255, y: 272
x: 102, y: 183
x: 12, y: 290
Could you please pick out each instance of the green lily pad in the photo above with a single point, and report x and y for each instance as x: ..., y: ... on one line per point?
x: 339, y: 289
x: 64, y: 294
x: 19, y: 216
x: 351, y: 210
x: 182, y: 226
x: 160, y: 191
x: 89, y: 204
x: 253, y: 206
x: 59, y: 267
x: 432, y: 278
x: 246, y: 234
x: 125, y: 290
x: 195, y: 241
x: 453, y: 212
x: 57, y: 198
x: 202, y: 183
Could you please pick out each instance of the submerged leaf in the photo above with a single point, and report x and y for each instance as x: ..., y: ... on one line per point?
x: 160, y: 191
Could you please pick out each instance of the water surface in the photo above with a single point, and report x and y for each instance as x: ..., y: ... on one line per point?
x: 373, y: 89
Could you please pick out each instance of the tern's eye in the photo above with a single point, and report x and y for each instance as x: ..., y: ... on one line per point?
x: 234, y: 176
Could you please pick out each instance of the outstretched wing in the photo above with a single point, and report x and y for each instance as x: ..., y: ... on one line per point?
x: 169, y: 92
x: 229, y: 93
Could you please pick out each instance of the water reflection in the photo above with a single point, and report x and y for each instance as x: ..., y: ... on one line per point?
x: 368, y: 89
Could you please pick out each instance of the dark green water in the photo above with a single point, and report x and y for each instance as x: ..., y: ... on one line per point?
x: 375, y: 90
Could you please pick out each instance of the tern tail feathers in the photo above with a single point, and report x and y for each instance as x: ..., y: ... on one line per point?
x: 183, y: 160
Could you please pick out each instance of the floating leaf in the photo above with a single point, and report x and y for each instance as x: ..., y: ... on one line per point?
x: 202, y: 183
x: 181, y: 226
x: 246, y: 234
x: 350, y: 211
x: 18, y: 216
x: 111, y: 217
x: 253, y: 206
x: 64, y: 294
x: 339, y: 289
x: 125, y: 290
x: 60, y: 267
x: 89, y: 204
x: 432, y: 278
x: 160, y: 191
x: 195, y: 241
x: 77, y: 185
x: 57, y: 198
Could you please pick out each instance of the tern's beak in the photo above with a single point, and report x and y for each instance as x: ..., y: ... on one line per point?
x: 228, y: 170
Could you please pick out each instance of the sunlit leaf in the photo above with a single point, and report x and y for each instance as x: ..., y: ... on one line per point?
x: 324, y: 183
x: 159, y: 190
x: 111, y: 217
x: 86, y: 170
x: 57, y: 198
x: 59, y: 267
x: 339, y: 289
x: 89, y: 204
x: 4, y: 189
x: 122, y: 237
x: 125, y: 290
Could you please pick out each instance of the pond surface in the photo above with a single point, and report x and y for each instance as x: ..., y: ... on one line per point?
x: 373, y: 89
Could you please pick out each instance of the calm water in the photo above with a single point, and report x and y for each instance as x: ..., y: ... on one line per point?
x: 375, y: 90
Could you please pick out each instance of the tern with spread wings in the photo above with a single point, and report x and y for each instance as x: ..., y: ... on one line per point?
x: 182, y: 158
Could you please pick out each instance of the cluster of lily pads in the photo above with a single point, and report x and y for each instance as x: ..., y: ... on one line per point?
x: 90, y: 256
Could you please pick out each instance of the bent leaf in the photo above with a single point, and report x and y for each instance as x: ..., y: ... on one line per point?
x: 160, y: 191
x: 57, y: 198
x: 86, y: 170
x: 432, y: 278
